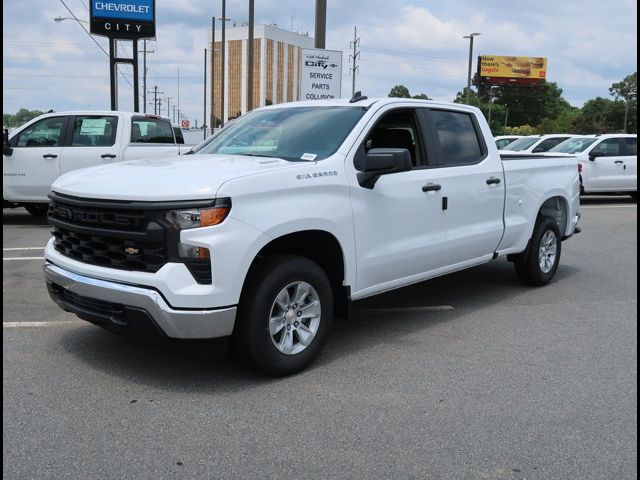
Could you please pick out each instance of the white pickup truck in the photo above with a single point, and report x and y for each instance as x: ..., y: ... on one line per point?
x: 292, y: 212
x: 38, y: 152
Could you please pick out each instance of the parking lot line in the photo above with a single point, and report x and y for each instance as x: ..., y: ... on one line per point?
x: 13, y: 249
x: 42, y: 324
x: 8, y: 259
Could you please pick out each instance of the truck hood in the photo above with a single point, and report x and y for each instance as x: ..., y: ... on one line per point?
x: 190, y: 177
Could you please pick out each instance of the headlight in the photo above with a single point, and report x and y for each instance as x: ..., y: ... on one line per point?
x: 197, y: 217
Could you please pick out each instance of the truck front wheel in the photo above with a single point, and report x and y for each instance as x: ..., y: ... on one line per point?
x: 538, y: 264
x: 37, y: 209
x: 285, y: 314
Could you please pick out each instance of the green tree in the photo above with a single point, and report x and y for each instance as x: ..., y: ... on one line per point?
x: 529, y: 104
x: 422, y: 96
x: 627, y: 91
x: 400, y: 91
x: 520, y: 130
x: 600, y: 115
x: 494, y: 113
x: 21, y: 116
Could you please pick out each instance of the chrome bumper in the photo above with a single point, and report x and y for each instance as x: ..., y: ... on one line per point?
x: 175, y: 323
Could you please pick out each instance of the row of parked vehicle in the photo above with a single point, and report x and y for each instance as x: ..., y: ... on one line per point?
x: 608, y: 163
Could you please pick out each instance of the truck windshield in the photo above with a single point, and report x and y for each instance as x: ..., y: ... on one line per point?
x: 294, y: 133
x: 521, y: 144
x: 573, y: 145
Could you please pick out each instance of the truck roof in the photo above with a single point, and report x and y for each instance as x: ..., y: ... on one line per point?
x: 345, y: 102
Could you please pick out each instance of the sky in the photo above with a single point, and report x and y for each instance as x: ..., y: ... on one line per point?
x: 589, y: 44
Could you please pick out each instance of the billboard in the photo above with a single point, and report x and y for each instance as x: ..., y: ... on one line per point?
x: 505, y: 69
x: 126, y: 19
x: 320, y: 74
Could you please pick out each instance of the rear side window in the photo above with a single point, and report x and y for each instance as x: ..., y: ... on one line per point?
x: 94, y: 131
x: 632, y: 146
x: 45, y: 133
x: 459, y: 143
x: 151, y: 130
x: 179, y: 136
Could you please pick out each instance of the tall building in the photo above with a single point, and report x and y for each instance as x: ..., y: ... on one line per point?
x: 276, y: 67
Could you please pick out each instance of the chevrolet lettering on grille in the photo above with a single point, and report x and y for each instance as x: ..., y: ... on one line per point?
x: 103, y: 218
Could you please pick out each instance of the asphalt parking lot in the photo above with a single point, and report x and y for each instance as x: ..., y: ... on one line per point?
x: 470, y: 376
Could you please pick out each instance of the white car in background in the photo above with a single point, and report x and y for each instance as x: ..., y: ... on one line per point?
x: 608, y: 163
x: 504, y: 140
x: 536, y: 143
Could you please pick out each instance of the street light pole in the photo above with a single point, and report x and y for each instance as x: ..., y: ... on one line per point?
x: 223, y: 59
x: 250, y: 59
x: 470, y: 37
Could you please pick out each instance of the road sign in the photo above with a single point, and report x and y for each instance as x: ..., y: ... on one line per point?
x: 321, y: 74
x: 184, y: 123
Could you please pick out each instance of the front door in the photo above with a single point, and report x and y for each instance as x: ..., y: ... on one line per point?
x: 607, y: 172
x: 35, y: 162
x: 92, y: 142
x: 398, y: 225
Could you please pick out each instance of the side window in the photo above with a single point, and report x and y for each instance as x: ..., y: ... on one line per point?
x: 459, y: 143
x: 396, y: 129
x: 151, y: 130
x: 94, y: 131
x: 45, y: 133
x: 179, y: 137
x: 607, y: 148
x: 632, y: 146
x: 502, y: 143
x: 548, y: 144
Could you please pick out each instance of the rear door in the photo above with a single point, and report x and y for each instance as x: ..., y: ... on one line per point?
x: 606, y: 170
x: 151, y: 137
x: 35, y: 162
x: 631, y: 163
x: 92, y: 141
x: 473, y: 188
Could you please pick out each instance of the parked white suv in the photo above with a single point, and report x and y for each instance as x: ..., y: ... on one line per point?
x: 536, y: 143
x: 504, y: 140
x: 608, y: 163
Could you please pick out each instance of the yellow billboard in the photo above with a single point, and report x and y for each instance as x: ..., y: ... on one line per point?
x: 513, y: 67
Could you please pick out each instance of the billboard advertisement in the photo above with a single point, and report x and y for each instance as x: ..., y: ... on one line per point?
x: 126, y: 19
x: 320, y: 74
x: 501, y: 69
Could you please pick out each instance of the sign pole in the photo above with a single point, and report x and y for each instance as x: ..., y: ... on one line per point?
x: 136, y: 96
x: 113, y: 76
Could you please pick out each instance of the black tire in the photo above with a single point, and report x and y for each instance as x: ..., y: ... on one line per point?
x: 634, y: 195
x: 258, y: 299
x: 527, y: 264
x: 37, y: 209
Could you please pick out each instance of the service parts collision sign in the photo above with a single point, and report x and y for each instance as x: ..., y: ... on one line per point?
x: 321, y: 74
x: 127, y: 19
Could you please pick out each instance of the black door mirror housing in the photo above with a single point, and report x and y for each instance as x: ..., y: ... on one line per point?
x: 593, y: 156
x: 381, y: 161
x: 6, y: 145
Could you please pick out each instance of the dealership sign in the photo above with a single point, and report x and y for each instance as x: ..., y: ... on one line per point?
x: 321, y: 74
x: 503, y: 69
x: 126, y: 19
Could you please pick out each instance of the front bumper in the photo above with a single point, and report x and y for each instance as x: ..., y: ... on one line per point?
x: 133, y: 309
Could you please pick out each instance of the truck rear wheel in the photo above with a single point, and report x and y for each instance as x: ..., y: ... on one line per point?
x: 538, y: 264
x: 285, y: 314
x: 37, y: 209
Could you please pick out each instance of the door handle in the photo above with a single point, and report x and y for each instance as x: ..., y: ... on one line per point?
x: 49, y: 155
x: 493, y: 181
x: 108, y: 155
x: 431, y: 187
x: 619, y: 162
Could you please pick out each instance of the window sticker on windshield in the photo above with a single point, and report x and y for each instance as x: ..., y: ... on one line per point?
x: 93, y: 126
x: 308, y: 156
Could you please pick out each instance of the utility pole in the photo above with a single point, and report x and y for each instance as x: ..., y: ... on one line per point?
x: 213, y: 74
x: 159, y: 105
x: 155, y: 99
x: 178, y: 88
x: 144, y: 74
x: 204, y: 99
x: 168, y: 114
x: 354, y: 58
x: 224, y: 45
x: 174, y: 114
x: 250, y: 59
x: 321, y: 23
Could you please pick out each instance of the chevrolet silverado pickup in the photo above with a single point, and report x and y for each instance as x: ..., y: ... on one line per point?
x: 292, y: 212
x: 38, y: 152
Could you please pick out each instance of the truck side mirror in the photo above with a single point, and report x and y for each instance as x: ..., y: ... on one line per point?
x: 6, y: 145
x: 593, y: 156
x: 380, y: 161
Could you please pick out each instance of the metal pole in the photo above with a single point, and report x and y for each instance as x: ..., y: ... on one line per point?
x: 223, y: 60
x: 213, y: 73
x: 168, y: 101
x: 506, y: 115
x: 136, y: 95
x: 250, y: 59
x: 144, y: 76
x: 178, y: 88
x: 321, y: 23
x: 469, y: 74
x: 204, y: 98
x: 113, y: 76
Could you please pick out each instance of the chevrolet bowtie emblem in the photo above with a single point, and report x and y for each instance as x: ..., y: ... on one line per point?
x: 132, y: 251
